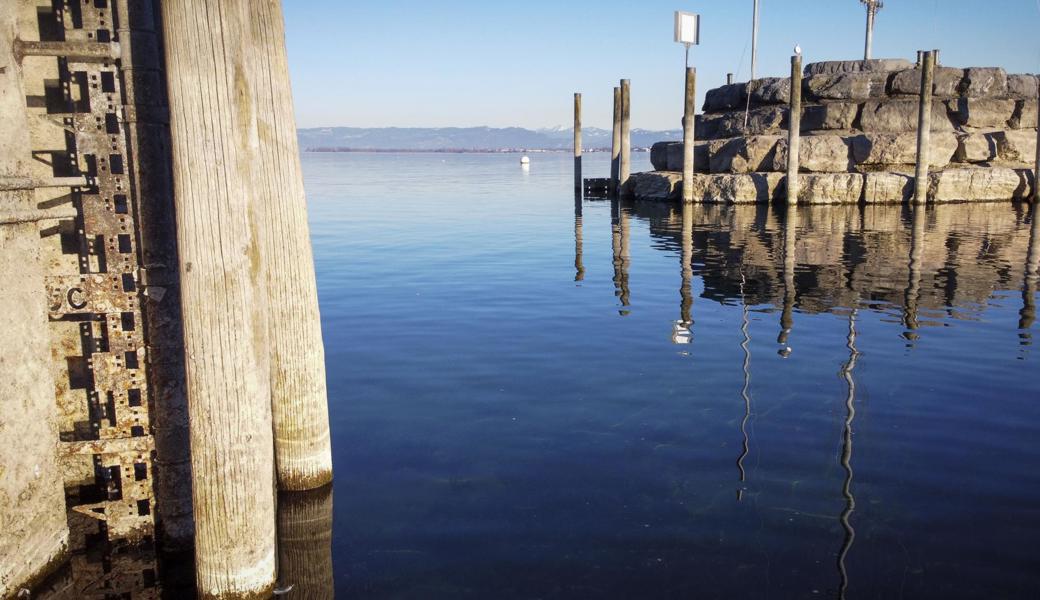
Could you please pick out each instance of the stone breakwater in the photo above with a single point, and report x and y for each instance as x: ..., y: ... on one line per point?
x: 859, y: 137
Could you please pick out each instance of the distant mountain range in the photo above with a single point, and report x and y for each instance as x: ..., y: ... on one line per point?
x: 465, y: 139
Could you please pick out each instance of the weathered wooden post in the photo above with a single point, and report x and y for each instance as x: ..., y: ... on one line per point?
x: 577, y: 144
x: 729, y: 78
x: 34, y: 533
x: 305, y: 543
x: 794, y: 130
x: 1036, y: 170
x: 626, y: 136
x: 615, y: 145
x: 209, y: 49
x: 303, y: 452
x: 689, y: 111
x: 924, y: 128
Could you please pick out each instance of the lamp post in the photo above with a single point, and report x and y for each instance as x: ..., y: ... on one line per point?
x: 872, y: 7
x: 754, y: 41
x: 688, y: 33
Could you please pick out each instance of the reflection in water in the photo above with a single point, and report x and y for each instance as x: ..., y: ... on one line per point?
x: 579, y: 265
x: 786, y: 315
x: 619, y: 240
x: 681, y: 333
x: 913, y: 287
x: 305, y: 544
x: 745, y: 390
x: 846, y: 454
x: 1028, y: 313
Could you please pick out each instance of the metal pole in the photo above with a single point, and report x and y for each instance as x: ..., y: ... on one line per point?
x: 870, y: 31
x: 688, y: 120
x: 924, y: 128
x: 625, y: 167
x: 793, y: 130
x: 577, y: 144
x: 615, y: 145
x: 754, y: 42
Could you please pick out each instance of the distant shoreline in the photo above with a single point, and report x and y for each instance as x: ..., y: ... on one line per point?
x: 460, y: 150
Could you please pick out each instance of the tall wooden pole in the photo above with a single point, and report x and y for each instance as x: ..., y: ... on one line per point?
x: 625, y: 168
x: 305, y: 543
x: 615, y: 145
x: 299, y: 402
x: 213, y: 129
x: 729, y: 78
x: 34, y: 533
x: 794, y: 130
x: 1036, y: 170
x: 577, y: 144
x: 689, y: 111
x: 924, y: 128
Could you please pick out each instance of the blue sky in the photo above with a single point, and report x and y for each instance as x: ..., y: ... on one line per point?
x: 464, y: 63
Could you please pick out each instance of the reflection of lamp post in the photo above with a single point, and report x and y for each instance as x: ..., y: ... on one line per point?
x: 745, y: 391
x: 872, y: 7
x: 681, y: 333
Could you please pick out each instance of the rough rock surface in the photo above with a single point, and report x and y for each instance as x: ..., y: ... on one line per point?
x: 1017, y: 146
x: 984, y: 81
x: 884, y: 187
x: 744, y: 155
x: 880, y: 149
x: 817, y: 154
x: 834, y: 115
x: 830, y: 188
x: 1022, y: 86
x: 656, y: 185
x: 901, y: 115
x: 845, y: 86
x: 726, y: 97
x: 977, y: 147
x: 832, y: 67
x: 978, y: 184
x: 668, y: 156
x: 946, y: 82
x: 1025, y: 115
x: 981, y: 112
x: 771, y: 90
x: 743, y: 188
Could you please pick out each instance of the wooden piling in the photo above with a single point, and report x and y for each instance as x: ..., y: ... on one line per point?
x: 34, y: 536
x: 794, y: 130
x: 305, y: 543
x: 625, y: 168
x: 1036, y: 170
x: 729, y: 78
x: 689, y: 110
x: 208, y: 49
x: 615, y: 145
x: 577, y: 144
x: 299, y: 401
x: 924, y: 128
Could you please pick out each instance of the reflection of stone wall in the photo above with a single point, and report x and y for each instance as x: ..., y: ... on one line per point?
x: 859, y: 139
x: 849, y: 255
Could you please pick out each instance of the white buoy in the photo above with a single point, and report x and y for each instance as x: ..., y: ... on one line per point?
x: 525, y: 160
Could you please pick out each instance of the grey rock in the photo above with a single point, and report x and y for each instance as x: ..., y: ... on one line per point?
x: 760, y: 121
x: 659, y: 155
x: 946, y: 82
x: 727, y: 97
x: 771, y: 90
x: 700, y: 156
x: 744, y: 154
x: 1016, y: 145
x: 707, y: 126
x: 1025, y: 115
x: 845, y: 86
x: 982, y: 82
x: 1022, y: 86
x: 901, y: 115
x: 833, y: 115
x: 885, y: 186
x: 656, y: 185
x: 977, y: 147
x: 834, y: 67
x: 817, y: 154
x: 830, y: 188
x: 981, y: 112
x: 977, y: 184
x: 743, y: 188
x: 886, y: 149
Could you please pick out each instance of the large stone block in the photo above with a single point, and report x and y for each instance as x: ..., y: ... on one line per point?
x: 830, y: 188
x: 1016, y: 145
x: 743, y: 188
x: 1025, y: 115
x: 817, y: 154
x: 674, y: 157
x: 901, y: 115
x: 1022, y: 86
x: 977, y: 147
x: 744, y: 154
x: 659, y: 155
x: 727, y: 97
x: 833, y: 115
x: 845, y: 86
x: 982, y: 82
x: 771, y: 90
x: 981, y: 112
x: 946, y: 82
x: 978, y: 184
x: 707, y: 126
x: 834, y: 67
x: 656, y: 185
x: 760, y: 121
x: 884, y: 149
x: 884, y: 187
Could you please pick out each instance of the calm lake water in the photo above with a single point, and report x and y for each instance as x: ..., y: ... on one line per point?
x: 533, y: 399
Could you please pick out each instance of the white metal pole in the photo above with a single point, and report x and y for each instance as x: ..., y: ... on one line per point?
x: 754, y: 42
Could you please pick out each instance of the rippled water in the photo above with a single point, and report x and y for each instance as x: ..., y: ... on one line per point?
x: 537, y: 399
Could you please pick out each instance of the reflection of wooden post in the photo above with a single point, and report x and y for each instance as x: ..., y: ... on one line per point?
x: 794, y: 130
x: 686, y: 271
x: 688, y: 117
x: 305, y: 543
x: 619, y: 241
x: 787, y: 312
x: 924, y: 129
x: 577, y: 144
x: 846, y: 457
x: 34, y: 534
x: 1028, y: 313
x: 615, y: 145
x: 213, y: 126
x: 303, y: 452
x: 913, y: 286
x: 579, y: 265
x: 626, y: 135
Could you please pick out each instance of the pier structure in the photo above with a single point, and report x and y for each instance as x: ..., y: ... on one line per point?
x: 155, y: 223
